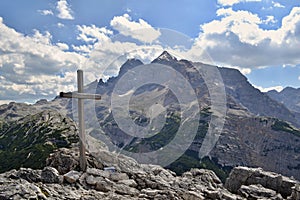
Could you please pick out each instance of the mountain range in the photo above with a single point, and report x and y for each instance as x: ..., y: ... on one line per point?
x: 260, y: 129
x: 290, y: 97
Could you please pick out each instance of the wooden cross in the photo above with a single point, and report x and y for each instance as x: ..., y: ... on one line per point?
x: 80, y: 95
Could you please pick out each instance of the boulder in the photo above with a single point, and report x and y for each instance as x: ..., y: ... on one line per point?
x: 258, y: 192
x: 72, y: 176
x: 50, y: 175
x: 240, y: 176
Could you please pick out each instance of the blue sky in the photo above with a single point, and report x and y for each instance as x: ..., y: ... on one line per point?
x: 44, y: 42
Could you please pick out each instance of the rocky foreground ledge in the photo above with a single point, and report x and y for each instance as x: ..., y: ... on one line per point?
x: 119, y: 177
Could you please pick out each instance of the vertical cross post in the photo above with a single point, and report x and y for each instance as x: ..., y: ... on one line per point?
x: 80, y: 95
x: 82, y: 161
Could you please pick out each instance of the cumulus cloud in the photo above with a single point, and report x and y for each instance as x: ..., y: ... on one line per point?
x: 60, y: 25
x: 277, y: 5
x: 110, y: 52
x: 140, y: 30
x: 232, y: 2
x: 93, y: 33
x: 62, y: 46
x: 244, y: 71
x: 270, y: 20
x: 45, y: 12
x: 33, y: 68
x: 237, y: 39
x: 40, y: 38
x: 64, y: 11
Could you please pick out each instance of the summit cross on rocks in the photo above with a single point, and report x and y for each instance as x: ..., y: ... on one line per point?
x: 80, y: 95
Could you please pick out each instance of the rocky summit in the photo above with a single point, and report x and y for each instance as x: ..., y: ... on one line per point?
x: 110, y: 176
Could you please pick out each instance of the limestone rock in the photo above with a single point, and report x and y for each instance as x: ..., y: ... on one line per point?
x: 240, y: 176
x: 72, y: 176
x: 50, y: 175
x: 63, y: 160
x: 118, y: 176
x: 20, y: 189
x: 28, y: 174
x: 258, y: 192
x: 143, y: 182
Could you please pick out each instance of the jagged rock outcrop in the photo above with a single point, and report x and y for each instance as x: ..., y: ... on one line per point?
x: 142, y: 182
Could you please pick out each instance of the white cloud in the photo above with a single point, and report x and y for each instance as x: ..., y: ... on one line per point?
x: 93, y: 33
x: 277, y: 88
x: 299, y: 78
x: 60, y: 25
x: 62, y: 46
x: 232, y: 2
x: 64, y: 11
x: 45, y: 12
x: 244, y: 71
x: 103, y: 49
x: 140, y: 30
x: 237, y: 39
x: 31, y: 67
x: 83, y: 49
x: 277, y: 5
x: 270, y: 20
x: 40, y: 38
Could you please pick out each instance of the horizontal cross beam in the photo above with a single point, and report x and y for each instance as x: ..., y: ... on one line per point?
x: 78, y: 95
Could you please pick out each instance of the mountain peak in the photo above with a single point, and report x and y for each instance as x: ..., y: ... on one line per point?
x: 166, y: 56
x: 289, y: 89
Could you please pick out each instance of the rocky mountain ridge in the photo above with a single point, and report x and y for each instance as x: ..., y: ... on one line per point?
x: 126, y: 179
x: 290, y: 97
